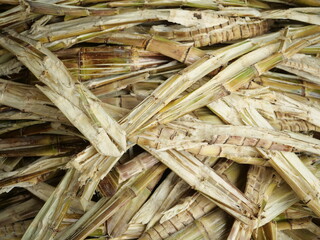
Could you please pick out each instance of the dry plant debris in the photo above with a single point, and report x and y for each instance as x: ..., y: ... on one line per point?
x: 158, y: 119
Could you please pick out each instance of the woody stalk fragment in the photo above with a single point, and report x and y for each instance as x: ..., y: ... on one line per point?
x: 159, y: 119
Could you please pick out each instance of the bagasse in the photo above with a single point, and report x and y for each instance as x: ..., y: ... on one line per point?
x: 160, y: 119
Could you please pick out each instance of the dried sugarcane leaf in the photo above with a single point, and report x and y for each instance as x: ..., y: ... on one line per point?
x: 78, y: 104
x: 46, y: 223
x: 184, y: 135
x: 202, y: 178
x: 105, y: 208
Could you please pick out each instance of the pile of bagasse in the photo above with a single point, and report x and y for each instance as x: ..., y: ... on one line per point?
x: 160, y: 119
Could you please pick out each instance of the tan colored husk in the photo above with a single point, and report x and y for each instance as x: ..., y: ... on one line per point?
x: 144, y: 104
x: 288, y: 165
x: 214, y: 225
x: 165, y: 107
x: 258, y: 180
x: 46, y: 223
x: 13, y: 114
x: 191, y: 208
x: 162, y: 96
x: 296, y: 211
x: 222, y: 84
x: 29, y: 99
x: 186, y: 3
x: 10, y: 67
x: 182, y: 135
x: 136, y: 165
x: 119, y: 222
x: 177, y: 189
x: 303, y: 65
x: 282, y: 162
x: 166, y: 194
x: 27, y: 175
x: 44, y: 191
x: 266, y: 232
x: 299, y: 234
x: 157, y: 100
x: 272, y: 106
x: 225, y: 29
x: 194, y: 172
x: 80, y: 106
x: 35, y: 141
x: 104, y: 209
x: 308, y: 15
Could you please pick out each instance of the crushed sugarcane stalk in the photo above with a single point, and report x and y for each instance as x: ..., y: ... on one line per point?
x: 159, y: 119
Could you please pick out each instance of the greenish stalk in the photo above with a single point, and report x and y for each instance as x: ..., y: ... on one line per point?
x: 88, y: 25
x: 118, y: 85
x: 221, y: 85
x: 15, y: 15
x: 315, y: 49
x: 178, y: 83
x: 214, y: 89
x: 65, y: 43
x: 300, y: 223
x: 289, y: 83
x: 295, y: 211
